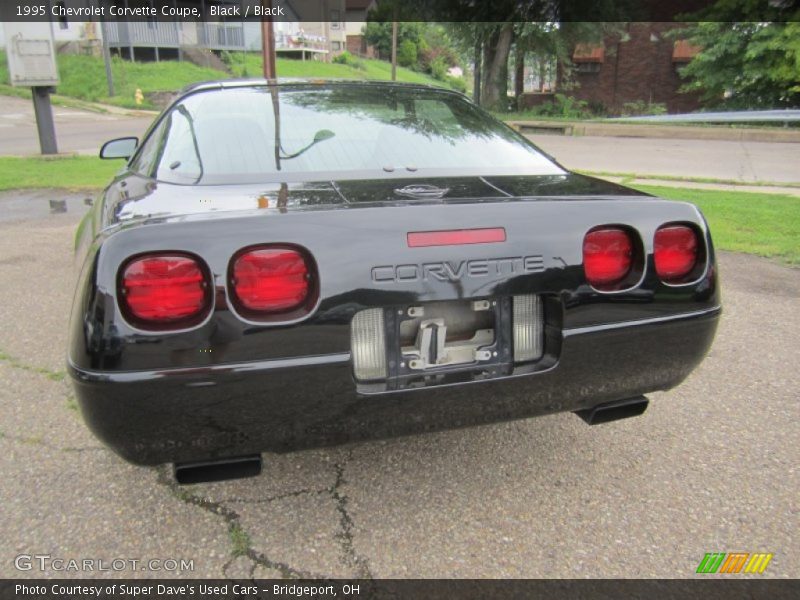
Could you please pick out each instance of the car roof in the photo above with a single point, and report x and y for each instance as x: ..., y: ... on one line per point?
x: 330, y: 82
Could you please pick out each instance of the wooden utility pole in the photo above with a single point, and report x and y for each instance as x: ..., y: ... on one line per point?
x: 107, y: 59
x: 394, y: 50
x: 268, y: 42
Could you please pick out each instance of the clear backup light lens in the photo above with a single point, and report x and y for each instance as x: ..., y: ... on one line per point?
x: 368, y: 345
x: 528, y: 328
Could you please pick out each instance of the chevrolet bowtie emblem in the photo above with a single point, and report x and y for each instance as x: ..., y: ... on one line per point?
x: 422, y: 191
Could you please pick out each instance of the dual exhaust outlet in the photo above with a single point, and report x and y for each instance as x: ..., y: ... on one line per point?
x: 239, y: 467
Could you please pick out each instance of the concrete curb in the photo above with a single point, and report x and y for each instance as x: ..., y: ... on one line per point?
x: 685, y: 132
x: 119, y: 110
x: 96, y: 107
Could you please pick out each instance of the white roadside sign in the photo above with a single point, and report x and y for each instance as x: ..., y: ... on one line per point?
x: 31, y: 54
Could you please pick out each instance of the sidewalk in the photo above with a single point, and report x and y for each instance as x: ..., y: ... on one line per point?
x: 118, y: 110
x: 677, y: 183
x: 707, y: 161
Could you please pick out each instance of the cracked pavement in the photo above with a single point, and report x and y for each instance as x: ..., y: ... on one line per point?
x: 711, y: 466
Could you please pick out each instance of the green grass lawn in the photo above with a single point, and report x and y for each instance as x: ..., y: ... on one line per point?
x: 84, y: 77
x: 72, y: 173
x: 755, y: 223
x: 249, y: 64
x: 627, y: 178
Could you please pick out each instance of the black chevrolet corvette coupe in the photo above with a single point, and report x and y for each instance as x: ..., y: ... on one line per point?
x: 282, y: 265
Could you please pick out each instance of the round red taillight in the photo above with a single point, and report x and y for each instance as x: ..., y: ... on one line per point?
x: 607, y: 256
x: 270, y: 279
x: 164, y: 289
x: 676, y: 250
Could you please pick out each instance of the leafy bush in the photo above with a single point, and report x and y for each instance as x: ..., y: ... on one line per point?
x: 379, y: 34
x: 457, y: 83
x: 3, y: 67
x: 640, y: 107
x: 407, y: 54
x: 345, y: 58
x: 598, y: 108
x: 564, y: 106
x: 744, y: 63
x: 438, y: 68
x: 432, y: 55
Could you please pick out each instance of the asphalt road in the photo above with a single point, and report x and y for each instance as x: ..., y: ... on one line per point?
x: 717, y: 159
x: 711, y: 466
x: 84, y: 132
x: 76, y: 130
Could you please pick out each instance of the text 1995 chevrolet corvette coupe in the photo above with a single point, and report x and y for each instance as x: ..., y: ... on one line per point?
x: 284, y: 265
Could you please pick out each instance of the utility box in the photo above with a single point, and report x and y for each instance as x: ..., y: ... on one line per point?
x: 32, y: 63
x: 31, y: 54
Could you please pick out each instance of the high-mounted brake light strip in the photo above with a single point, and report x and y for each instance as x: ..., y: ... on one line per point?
x: 456, y: 237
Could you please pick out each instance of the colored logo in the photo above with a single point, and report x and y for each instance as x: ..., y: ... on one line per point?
x: 734, y: 562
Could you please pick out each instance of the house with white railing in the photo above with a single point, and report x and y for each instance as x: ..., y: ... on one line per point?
x: 155, y: 40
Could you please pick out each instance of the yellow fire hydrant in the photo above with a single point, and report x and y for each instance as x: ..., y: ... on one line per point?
x: 138, y: 97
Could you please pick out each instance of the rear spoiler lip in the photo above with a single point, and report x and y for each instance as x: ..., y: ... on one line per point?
x: 161, y: 218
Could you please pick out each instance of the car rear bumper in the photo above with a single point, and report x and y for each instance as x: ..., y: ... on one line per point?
x: 177, y: 415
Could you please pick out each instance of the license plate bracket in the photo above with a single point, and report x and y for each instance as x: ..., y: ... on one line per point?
x: 448, y: 341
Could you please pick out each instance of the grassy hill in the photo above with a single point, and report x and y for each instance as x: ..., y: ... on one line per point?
x: 249, y: 64
x: 84, y: 78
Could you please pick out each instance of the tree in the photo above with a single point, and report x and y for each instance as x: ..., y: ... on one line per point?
x: 745, y: 64
x: 379, y: 34
x: 492, y: 43
x: 407, y: 54
x: 421, y: 46
x: 436, y: 49
x: 500, y: 24
x: 471, y: 40
x: 495, y: 26
x: 496, y: 50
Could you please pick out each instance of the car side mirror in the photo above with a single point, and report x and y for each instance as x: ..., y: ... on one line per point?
x: 119, y: 148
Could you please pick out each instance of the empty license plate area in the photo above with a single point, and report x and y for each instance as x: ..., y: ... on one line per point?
x: 429, y: 342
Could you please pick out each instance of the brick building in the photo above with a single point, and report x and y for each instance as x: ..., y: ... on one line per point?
x: 639, y: 65
x: 356, y: 11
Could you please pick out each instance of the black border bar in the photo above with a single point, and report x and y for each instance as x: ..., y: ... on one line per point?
x: 403, y: 10
x: 711, y: 588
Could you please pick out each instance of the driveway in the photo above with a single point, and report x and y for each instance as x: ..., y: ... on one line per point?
x: 712, y: 466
